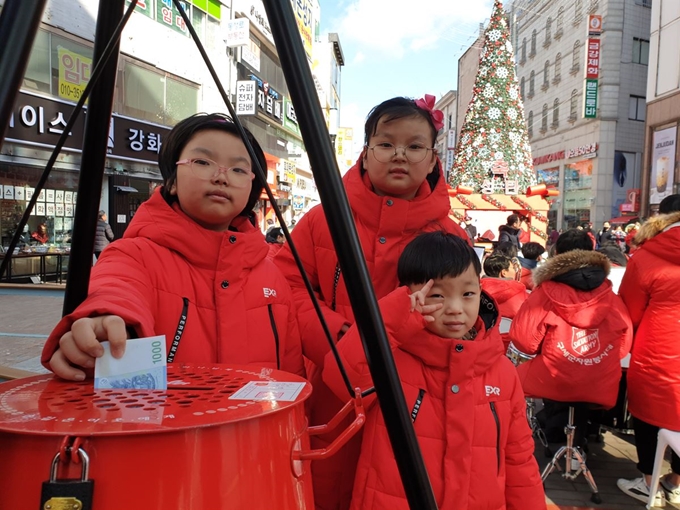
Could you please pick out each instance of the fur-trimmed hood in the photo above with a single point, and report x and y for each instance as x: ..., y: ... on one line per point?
x: 575, y: 283
x: 582, y: 261
x: 654, y: 226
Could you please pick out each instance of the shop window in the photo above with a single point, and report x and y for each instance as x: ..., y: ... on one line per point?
x: 38, y: 75
x: 578, y: 192
x: 155, y: 96
x: 640, y: 51
x: 637, y: 109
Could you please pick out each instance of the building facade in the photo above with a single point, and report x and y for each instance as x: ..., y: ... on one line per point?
x: 468, y: 65
x: 582, y: 67
x: 660, y: 174
x: 447, y: 136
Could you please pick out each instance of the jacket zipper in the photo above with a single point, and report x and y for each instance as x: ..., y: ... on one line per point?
x: 416, y: 406
x: 181, y: 326
x: 498, y: 435
x: 276, y: 334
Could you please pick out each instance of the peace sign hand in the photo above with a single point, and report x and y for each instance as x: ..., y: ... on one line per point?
x: 418, y: 302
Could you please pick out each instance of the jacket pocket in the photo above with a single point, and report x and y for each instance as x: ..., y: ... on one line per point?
x: 275, y: 330
x: 181, y: 326
x: 416, y: 406
x: 498, y: 434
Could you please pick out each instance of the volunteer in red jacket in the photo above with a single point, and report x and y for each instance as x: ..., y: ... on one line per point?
x: 651, y: 291
x: 501, y: 284
x: 191, y: 266
x: 466, y: 401
x: 577, y: 327
x: 396, y: 190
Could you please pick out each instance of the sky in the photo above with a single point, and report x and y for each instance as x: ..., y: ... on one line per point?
x: 399, y: 48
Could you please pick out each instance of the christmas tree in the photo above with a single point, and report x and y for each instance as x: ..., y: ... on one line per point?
x: 493, y: 155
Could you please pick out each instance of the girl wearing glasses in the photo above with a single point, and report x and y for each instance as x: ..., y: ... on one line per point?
x: 191, y: 266
x: 396, y: 191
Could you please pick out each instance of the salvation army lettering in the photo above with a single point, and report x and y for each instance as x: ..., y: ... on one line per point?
x: 38, y: 120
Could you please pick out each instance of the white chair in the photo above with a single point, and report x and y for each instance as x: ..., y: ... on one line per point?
x: 666, y: 438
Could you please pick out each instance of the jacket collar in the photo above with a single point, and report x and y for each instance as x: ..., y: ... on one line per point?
x: 241, y: 247
x: 404, y: 215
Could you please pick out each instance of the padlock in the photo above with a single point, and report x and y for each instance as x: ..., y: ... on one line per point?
x: 68, y: 494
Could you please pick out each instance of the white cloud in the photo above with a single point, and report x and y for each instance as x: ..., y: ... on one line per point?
x: 394, y: 26
x: 359, y: 57
x: 352, y: 116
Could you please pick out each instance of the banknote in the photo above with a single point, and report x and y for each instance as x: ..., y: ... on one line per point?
x: 143, y: 366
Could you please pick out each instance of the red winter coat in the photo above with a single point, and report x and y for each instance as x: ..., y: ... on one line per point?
x: 385, y: 225
x: 651, y: 291
x: 468, y: 410
x: 274, y: 248
x: 527, y: 278
x: 510, y: 296
x: 578, y: 335
x: 238, y: 307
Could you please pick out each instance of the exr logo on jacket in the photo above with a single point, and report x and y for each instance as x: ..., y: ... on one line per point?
x: 492, y: 390
x: 269, y: 292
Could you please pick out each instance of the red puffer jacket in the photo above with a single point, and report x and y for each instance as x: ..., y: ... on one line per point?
x: 167, y: 271
x: 510, y: 296
x: 578, y: 328
x: 651, y: 291
x: 468, y: 410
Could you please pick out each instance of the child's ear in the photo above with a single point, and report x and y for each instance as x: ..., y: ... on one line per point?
x: 173, y: 188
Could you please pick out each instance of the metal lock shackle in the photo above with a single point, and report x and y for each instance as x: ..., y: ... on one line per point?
x: 84, y: 457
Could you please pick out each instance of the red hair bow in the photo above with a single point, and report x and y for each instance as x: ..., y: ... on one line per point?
x: 427, y: 104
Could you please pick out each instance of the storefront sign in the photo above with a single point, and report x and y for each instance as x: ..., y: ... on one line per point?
x: 167, y: 14
x: 633, y: 201
x: 289, y: 118
x: 583, y: 150
x: 287, y: 171
x: 238, y: 32
x: 549, y: 158
x: 250, y: 54
x: 257, y: 15
x: 74, y: 73
x: 663, y: 165
x: 593, y: 59
x: 298, y: 202
x: 246, y: 92
x: 549, y: 176
x: 268, y: 101
x: 303, y: 16
x: 595, y: 24
x: 590, y: 110
x: 39, y: 121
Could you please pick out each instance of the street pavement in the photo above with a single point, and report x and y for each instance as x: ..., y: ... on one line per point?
x: 29, y: 312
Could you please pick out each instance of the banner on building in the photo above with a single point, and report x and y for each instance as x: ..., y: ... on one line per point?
x: 246, y: 93
x: 663, y: 164
x: 590, y: 103
x: 595, y: 24
x: 74, y: 73
x: 289, y: 118
x: 593, y: 59
x: 238, y: 32
x: 303, y: 16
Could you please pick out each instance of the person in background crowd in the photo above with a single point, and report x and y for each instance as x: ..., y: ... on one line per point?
x: 443, y: 333
x: 191, y: 266
x: 103, y: 235
x: 531, y: 252
x: 511, y: 231
x: 40, y: 235
x: 396, y: 190
x: 576, y: 326
x: 276, y: 240
x: 509, y: 250
x: 471, y: 230
x: 588, y: 229
x: 604, y: 234
x: 501, y: 284
x: 630, y: 230
x: 270, y: 224
x: 651, y: 291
